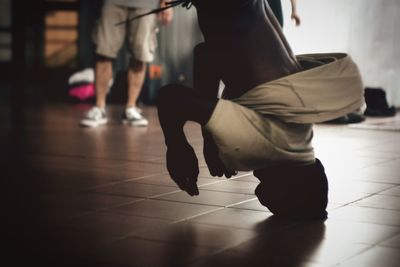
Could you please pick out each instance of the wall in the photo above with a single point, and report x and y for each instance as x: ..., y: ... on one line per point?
x: 369, y: 30
x: 176, y: 43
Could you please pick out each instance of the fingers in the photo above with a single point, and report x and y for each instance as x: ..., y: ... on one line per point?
x: 229, y: 174
x: 166, y: 17
x: 191, y: 188
x: 189, y: 185
x: 217, y: 168
x: 296, y: 18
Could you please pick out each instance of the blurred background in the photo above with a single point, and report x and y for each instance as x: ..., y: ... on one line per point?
x: 43, y: 42
x: 366, y: 29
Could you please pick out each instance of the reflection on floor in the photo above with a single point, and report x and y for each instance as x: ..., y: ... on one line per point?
x: 102, y: 197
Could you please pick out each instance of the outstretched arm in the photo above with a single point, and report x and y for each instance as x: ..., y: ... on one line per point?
x: 165, y: 16
x: 295, y: 16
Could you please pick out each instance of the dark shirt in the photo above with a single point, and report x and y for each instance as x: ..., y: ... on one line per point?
x: 249, y: 48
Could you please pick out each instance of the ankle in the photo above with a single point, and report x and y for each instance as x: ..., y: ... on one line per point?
x: 130, y: 106
x: 101, y: 106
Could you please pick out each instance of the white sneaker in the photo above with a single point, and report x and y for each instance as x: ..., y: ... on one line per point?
x: 133, y: 116
x: 94, y: 117
x: 83, y: 76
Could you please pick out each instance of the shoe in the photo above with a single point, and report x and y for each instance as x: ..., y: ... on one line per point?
x: 133, y: 116
x: 94, y: 117
x: 377, y: 105
x: 353, y: 117
x: 83, y: 76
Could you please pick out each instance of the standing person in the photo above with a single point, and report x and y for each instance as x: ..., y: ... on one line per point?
x: 276, y: 7
x: 109, y: 37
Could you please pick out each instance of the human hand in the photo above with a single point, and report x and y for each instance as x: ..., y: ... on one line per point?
x: 214, y: 163
x: 165, y: 16
x: 296, y: 18
x: 182, y: 165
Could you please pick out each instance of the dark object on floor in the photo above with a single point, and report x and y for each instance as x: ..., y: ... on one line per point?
x: 353, y: 117
x: 294, y: 192
x: 377, y: 105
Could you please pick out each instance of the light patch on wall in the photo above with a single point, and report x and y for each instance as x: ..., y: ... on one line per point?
x: 61, y: 37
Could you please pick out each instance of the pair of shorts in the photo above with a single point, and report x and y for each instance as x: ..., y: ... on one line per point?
x: 141, y: 33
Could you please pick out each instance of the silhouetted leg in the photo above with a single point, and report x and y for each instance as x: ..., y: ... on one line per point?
x: 178, y: 104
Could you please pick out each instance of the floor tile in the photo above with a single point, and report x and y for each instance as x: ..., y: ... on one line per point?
x: 233, y: 186
x: 345, y: 197
x: 134, y: 189
x: 253, y: 204
x: 72, y: 205
x: 236, y: 218
x: 139, y: 253
x: 117, y: 225
x: 203, y: 235
x: 393, y: 241
x: 376, y: 256
x: 368, y: 215
x: 380, y: 201
x: 345, y: 185
x: 167, y: 210
x: 280, y: 245
x: 249, y: 177
x: 165, y: 180
x: 366, y: 233
x: 206, y: 197
x: 394, y: 191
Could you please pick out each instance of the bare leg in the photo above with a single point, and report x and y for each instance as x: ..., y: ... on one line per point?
x: 136, y: 76
x: 103, y: 75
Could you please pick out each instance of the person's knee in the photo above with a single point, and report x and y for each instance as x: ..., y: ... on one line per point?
x: 102, y: 59
x: 295, y: 193
x: 136, y: 65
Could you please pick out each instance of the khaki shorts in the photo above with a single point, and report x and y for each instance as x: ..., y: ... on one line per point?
x: 141, y: 33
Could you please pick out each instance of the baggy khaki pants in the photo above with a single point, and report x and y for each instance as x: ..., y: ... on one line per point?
x: 272, y: 123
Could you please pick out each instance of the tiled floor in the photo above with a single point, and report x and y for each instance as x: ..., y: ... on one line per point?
x: 102, y: 197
